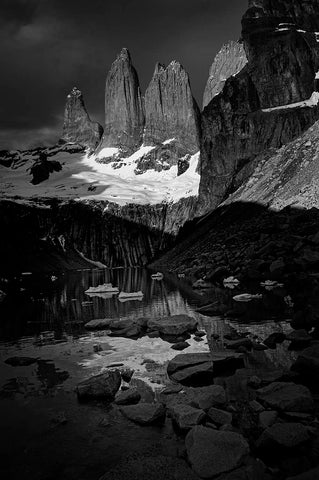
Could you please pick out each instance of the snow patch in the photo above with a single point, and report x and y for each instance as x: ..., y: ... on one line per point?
x: 170, y: 140
x: 311, y: 102
x: 107, y: 152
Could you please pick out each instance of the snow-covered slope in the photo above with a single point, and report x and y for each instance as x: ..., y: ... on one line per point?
x: 83, y: 177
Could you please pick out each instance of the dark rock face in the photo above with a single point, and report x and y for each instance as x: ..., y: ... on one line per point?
x: 124, y: 112
x: 78, y: 127
x: 237, y: 125
x: 170, y: 109
x: 229, y: 61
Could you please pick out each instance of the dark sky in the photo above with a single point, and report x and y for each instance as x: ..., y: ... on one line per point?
x: 49, y: 46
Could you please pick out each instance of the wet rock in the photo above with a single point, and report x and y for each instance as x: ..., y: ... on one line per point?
x: 144, y: 413
x: 180, y: 346
x: 98, y: 324
x: 198, y: 368
x: 128, y: 397
x: 172, y: 389
x: 307, y: 362
x: 20, y: 361
x: 220, y: 417
x: 267, y: 418
x: 186, y: 416
x: 286, y: 435
x: 103, y: 386
x: 150, y: 468
x: 286, y: 397
x: 174, y: 325
x: 212, y: 452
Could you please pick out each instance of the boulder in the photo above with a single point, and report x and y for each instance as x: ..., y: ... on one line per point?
x: 308, y: 361
x: 211, y: 452
x: 128, y: 397
x: 103, y: 386
x: 286, y: 397
x: 174, y: 325
x: 20, y: 361
x: 220, y: 417
x: 274, y: 338
x: 201, y: 398
x: 286, y: 435
x: 144, y: 413
x: 186, y: 416
x: 180, y: 346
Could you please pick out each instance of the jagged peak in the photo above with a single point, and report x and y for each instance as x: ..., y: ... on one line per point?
x: 174, y: 66
x: 75, y: 92
x: 124, y: 56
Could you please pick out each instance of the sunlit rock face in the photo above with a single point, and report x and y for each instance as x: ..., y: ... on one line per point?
x: 77, y: 126
x: 229, y: 61
x: 170, y: 109
x: 124, y: 112
x: 270, y: 102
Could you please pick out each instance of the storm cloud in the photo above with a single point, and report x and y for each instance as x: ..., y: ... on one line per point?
x: 49, y: 46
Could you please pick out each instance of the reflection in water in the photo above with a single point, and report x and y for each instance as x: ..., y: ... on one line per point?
x: 46, y: 320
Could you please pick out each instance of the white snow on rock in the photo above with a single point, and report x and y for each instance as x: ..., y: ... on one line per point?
x: 83, y: 177
x: 170, y: 140
x: 310, y: 102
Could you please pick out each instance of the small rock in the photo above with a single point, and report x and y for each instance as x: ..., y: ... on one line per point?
x: 144, y: 413
x: 171, y: 389
x: 219, y: 417
x: 103, y: 386
x: 267, y: 418
x: 127, y: 374
x: 180, y: 346
x: 254, y: 382
x: 186, y: 416
x: 97, y: 348
x: 256, y: 406
x: 128, y: 397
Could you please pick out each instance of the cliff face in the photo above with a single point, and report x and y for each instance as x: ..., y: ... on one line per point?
x: 170, y: 109
x: 249, y: 115
x: 77, y: 126
x: 124, y: 112
x: 229, y: 61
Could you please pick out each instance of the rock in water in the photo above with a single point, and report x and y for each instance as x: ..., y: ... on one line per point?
x: 288, y: 397
x: 77, y: 126
x: 103, y: 386
x: 170, y: 110
x: 124, y: 113
x: 229, y: 61
x: 144, y: 413
x: 212, y: 452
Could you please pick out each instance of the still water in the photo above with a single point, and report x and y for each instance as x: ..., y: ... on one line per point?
x: 45, y: 429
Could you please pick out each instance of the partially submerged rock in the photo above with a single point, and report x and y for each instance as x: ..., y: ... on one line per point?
x: 286, y: 435
x: 212, y: 452
x: 103, y: 386
x: 128, y: 397
x: 174, y: 325
x: 20, y: 361
x: 286, y: 396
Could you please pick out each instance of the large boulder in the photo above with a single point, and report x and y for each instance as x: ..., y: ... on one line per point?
x: 174, y: 325
x: 287, y: 435
x: 212, y: 452
x: 144, y: 413
x: 308, y: 361
x: 287, y: 397
x: 191, y: 368
x: 103, y: 386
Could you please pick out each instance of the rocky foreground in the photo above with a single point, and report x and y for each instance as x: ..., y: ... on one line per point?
x: 238, y: 421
